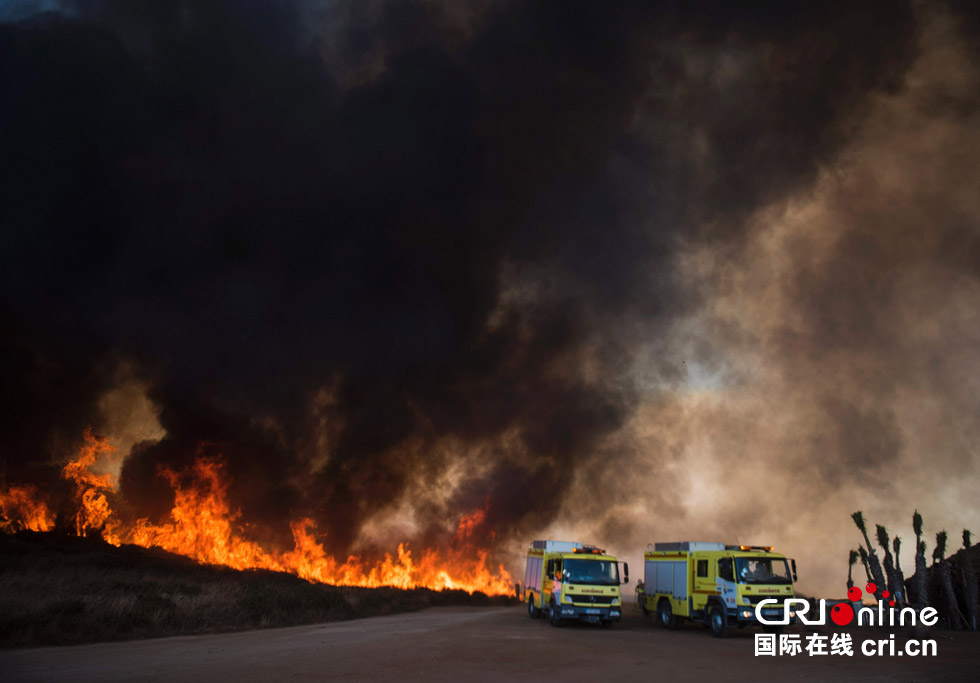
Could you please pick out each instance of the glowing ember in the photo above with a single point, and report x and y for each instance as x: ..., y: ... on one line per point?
x: 204, y: 527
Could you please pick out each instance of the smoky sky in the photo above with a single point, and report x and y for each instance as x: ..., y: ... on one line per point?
x: 332, y: 238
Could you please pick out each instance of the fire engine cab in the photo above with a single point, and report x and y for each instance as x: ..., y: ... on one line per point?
x: 716, y: 584
x: 566, y: 580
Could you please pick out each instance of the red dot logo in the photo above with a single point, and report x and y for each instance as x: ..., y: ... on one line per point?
x: 853, y: 593
x: 891, y: 602
x: 885, y: 594
x: 870, y: 588
x: 841, y: 614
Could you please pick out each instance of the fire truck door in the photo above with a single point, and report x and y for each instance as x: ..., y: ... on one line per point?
x: 705, y: 584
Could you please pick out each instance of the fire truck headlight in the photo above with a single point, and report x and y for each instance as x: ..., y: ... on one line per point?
x: 746, y: 613
x: 615, y: 601
x: 566, y: 598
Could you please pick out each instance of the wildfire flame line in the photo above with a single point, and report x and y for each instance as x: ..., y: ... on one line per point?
x: 203, y: 526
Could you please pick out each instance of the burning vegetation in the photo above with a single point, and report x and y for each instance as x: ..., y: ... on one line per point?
x: 21, y: 509
x: 203, y: 526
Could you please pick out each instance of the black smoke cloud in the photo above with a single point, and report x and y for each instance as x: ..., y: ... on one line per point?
x: 462, y: 242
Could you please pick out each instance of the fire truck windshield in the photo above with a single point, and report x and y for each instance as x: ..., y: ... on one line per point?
x: 595, y: 572
x: 762, y: 570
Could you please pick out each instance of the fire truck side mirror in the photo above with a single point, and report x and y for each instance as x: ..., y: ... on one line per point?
x: 626, y: 572
x: 793, y: 565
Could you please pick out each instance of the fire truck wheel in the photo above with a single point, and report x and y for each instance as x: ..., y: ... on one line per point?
x: 532, y: 611
x: 553, y: 617
x: 666, y: 614
x: 718, y: 621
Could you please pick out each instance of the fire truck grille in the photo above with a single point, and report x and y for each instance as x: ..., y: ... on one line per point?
x: 756, y: 599
x: 594, y: 599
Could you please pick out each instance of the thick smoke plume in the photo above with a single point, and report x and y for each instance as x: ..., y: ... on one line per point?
x: 631, y: 272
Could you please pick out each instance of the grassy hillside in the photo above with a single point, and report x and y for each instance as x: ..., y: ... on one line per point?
x: 58, y: 590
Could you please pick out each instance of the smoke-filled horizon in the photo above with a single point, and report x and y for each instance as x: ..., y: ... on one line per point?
x: 651, y: 272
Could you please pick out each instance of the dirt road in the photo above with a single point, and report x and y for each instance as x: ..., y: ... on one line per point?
x: 466, y: 644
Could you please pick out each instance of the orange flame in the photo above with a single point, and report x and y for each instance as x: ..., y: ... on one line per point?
x: 21, y: 509
x: 91, y: 489
x: 202, y: 524
x: 204, y: 527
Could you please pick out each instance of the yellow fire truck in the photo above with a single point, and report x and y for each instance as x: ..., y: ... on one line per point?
x: 715, y: 584
x: 566, y: 580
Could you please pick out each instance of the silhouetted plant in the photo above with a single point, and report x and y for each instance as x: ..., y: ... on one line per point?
x: 874, y: 565
x: 920, y: 579
x: 946, y: 579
